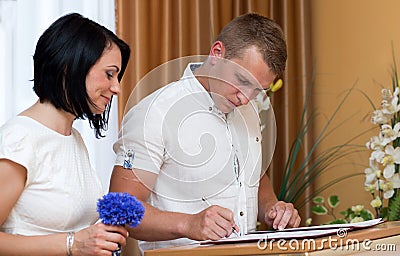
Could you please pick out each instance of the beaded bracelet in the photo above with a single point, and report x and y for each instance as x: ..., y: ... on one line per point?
x: 70, y: 242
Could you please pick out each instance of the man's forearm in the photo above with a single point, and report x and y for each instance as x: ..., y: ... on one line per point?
x: 158, y: 225
x: 266, y: 197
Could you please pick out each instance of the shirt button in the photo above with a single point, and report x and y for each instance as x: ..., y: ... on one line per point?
x: 257, y: 139
x: 240, y: 184
x: 241, y: 213
x: 210, y: 109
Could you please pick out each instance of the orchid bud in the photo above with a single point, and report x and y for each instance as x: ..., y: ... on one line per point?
x: 276, y: 86
x: 376, y: 203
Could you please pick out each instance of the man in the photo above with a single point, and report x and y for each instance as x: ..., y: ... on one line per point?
x: 191, y: 151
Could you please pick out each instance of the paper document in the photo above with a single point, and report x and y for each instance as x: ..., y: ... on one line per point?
x: 278, y: 235
x: 301, y: 232
x: 363, y: 224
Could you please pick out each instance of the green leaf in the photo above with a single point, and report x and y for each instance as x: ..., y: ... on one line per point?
x: 394, y: 208
x: 333, y: 201
x: 318, y: 200
x: 348, y: 213
x: 319, y: 210
x: 384, y: 212
x: 366, y: 215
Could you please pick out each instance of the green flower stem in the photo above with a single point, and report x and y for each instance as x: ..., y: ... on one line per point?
x: 295, y: 148
x: 319, y: 166
x: 287, y: 189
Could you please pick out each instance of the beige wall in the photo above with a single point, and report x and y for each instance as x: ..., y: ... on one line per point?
x: 352, y: 41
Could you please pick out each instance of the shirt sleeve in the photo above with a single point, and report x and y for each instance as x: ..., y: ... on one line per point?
x: 140, y: 143
x: 15, y: 145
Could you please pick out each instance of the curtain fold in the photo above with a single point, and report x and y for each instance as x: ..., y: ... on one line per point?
x: 294, y: 17
x: 162, y: 30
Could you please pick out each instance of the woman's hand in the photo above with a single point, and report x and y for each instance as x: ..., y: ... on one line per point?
x: 99, y: 239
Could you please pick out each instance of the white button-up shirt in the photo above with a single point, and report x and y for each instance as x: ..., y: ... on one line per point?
x: 197, y: 152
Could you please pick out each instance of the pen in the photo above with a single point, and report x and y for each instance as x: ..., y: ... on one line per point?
x: 208, y: 203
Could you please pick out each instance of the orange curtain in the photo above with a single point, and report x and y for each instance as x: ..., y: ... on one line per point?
x: 162, y: 30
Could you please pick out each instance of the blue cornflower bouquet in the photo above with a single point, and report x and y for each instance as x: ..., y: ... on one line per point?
x: 119, y: 209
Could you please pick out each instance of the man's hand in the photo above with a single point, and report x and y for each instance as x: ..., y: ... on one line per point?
x: 213, y: 223
x: 282, y: 215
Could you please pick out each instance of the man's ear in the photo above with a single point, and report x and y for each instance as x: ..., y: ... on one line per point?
x: 217, y: 51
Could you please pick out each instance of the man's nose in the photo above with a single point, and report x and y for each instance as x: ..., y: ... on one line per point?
x: 244, y: 99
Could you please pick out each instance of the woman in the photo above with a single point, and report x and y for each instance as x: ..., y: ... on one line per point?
x: 48, y: 188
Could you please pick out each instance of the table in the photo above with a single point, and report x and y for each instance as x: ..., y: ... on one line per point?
x: 384, y: 237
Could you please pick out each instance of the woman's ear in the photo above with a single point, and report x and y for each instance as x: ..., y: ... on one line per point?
x: 217, y: 51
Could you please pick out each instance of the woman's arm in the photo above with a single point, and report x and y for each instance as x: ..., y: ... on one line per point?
x: 98, y: 239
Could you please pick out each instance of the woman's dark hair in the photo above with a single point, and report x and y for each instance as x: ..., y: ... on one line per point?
x: 63, y: 57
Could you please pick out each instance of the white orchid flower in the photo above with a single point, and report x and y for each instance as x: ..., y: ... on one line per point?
x: 395, y: 102
x: 388, y: 134
x: 357, y: 208
x: 395, y: 180
x: 392, y: 155
x: 388, y: 194
x: 391, y: 106
x: 387, y: 94
x: 357, y: 219
x: 387, y: 108
x: 370, y: 187
x: 375, y: 143
x: 388, y: 171
x: 384, y: 179
x: 378, y: 117
x: 389, y: 186
x: 371, y: 173
x: 377, y: 155
x: 396, y: 92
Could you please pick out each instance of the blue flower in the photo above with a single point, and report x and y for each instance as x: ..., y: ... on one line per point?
x: 120, y: 209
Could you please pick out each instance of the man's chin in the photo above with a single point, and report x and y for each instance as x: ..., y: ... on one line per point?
x: 226, y: 109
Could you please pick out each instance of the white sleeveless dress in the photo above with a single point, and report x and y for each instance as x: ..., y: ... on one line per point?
x: 61, y: 189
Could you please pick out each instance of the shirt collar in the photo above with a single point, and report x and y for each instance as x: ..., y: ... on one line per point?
x: 194, y: 86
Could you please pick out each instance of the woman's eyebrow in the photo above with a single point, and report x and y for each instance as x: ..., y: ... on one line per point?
x: 114, y: 66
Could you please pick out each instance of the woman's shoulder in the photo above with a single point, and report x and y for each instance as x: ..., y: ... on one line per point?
x: 29, y: 129
x: 17, y: 125
x: 16, y: 140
